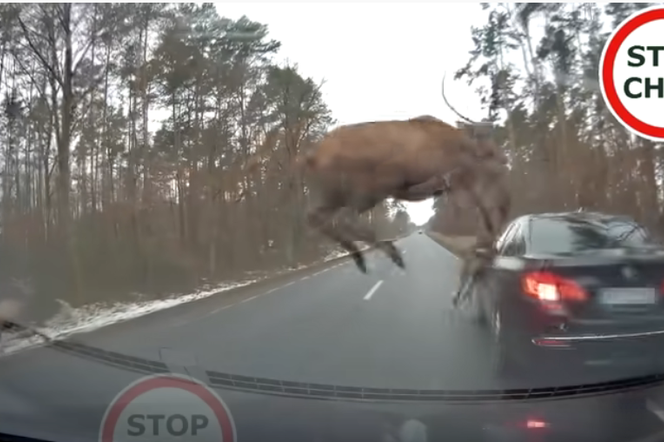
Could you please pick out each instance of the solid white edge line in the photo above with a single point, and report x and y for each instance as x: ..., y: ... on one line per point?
x: 373, y: 290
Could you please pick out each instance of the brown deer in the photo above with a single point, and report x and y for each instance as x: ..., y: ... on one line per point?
x: 359, y: 165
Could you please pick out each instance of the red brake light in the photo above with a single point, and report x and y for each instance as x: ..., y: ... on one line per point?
x: 550, y: 287
x: 536, y: 423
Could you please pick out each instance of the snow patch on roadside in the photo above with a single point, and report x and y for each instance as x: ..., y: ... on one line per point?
x: 334, y: 254
x: 87, y: 318
x: 69, y: 321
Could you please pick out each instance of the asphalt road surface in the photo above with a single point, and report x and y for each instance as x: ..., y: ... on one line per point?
x: 390, y: 328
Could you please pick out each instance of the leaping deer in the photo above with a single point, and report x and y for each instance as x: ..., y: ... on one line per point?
x: 357, y: 166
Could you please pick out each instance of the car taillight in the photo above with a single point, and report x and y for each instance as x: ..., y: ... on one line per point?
x: 547, y: 286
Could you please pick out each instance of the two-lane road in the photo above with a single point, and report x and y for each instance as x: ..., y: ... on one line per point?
x: 390, y: 328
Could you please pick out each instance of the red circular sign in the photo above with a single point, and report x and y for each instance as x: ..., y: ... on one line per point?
x: 607, y: 68
x: 150, y: 383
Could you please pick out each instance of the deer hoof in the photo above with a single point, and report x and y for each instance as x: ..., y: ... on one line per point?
x: 395, y: 255
x: 397, y: 258
x: 359, y: 262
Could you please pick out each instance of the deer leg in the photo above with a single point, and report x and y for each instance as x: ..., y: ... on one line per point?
x: 471, y: 264
x: 322, y: 218
x: 393, y: 252
x: 361, y: 232
x: 486, y: 225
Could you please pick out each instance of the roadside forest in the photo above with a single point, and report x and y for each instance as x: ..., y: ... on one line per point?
x: 540, y: 64
x: 124, y: 134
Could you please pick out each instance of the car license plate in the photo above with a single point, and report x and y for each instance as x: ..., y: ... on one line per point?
x: 628, y: 296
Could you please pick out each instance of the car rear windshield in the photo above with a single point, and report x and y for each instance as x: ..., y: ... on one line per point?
x: 569, y: 236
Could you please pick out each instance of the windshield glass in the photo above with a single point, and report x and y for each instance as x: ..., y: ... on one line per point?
x: 292, y: 202
x: 568, y: 236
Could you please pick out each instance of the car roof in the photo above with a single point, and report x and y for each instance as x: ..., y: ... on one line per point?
x: 590, y: 217
x: 596, y: 219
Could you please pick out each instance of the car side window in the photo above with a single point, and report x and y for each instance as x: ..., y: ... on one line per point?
x: 515, y: 244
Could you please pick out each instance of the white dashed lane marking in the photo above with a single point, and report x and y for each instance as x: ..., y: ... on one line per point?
x: 342, y: 266
x: 373, y: 290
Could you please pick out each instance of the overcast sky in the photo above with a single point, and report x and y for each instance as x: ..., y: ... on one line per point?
x: 379, y: 60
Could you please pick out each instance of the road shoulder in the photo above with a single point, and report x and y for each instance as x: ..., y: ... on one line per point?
x: 215, y: 301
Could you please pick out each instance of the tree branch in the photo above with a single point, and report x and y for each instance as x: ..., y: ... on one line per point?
x: 38, y: 53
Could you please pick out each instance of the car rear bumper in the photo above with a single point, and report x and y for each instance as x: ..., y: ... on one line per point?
x: 631, y: 349
x: 553, y: 340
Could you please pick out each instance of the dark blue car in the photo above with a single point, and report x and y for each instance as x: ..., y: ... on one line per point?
x: 573, y: 289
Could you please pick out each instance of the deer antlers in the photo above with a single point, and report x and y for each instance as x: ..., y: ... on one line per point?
x: 452, y: 107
